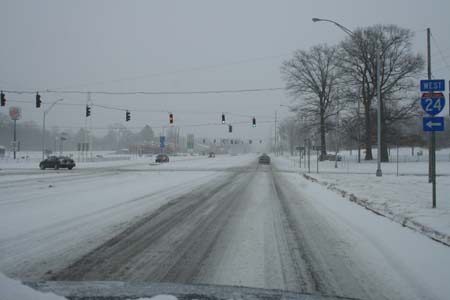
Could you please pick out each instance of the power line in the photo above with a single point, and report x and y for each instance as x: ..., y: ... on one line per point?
x: 99, y: 92
x: 192, y: 69
x: 164, y: 126
x: 440, y: 51
x: 124, y: 109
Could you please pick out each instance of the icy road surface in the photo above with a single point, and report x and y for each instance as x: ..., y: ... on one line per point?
x: 226, y: 220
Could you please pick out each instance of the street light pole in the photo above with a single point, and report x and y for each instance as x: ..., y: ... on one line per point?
x: 43, y: 125
x: 352, y: 35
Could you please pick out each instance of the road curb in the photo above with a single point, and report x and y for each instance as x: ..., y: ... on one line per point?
x: 400, y: 219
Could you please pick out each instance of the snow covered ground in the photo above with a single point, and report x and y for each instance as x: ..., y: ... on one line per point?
x: 406, y: 198
x: 389, y: 250
x: 45, y: 215
x: 224, y: 220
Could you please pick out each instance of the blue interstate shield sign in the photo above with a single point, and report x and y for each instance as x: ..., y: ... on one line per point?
x: 432, y: 104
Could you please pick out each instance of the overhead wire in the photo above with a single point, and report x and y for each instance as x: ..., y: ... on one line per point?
x: 440, y: 51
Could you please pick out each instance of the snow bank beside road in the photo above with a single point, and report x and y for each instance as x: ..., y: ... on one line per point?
x: 404, y: 199
x: 11, y: 289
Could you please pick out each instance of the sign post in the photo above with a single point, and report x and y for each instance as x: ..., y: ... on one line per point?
x: 162, y: 141
x: 317, y: 148
x: 15, y: 113
x: 301, y: 150
x: 432, y: 103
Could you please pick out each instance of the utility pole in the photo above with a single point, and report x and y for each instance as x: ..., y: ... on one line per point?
x: 276, y: 138
x: 359, y: 131
x: 432, y: 149
x: 309, y: 155
x: 379, y: 173
x: 337, y: 133
x: 429, y: 78
x: 86, y: 133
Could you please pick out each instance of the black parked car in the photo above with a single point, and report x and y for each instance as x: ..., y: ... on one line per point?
x: 264, y: 159
x: 161, y: 158
x: 56, y: 162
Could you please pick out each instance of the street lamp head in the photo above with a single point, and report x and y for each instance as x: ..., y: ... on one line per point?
x: 316, y: 20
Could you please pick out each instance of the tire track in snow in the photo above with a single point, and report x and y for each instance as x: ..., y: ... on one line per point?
x: 168, y: 245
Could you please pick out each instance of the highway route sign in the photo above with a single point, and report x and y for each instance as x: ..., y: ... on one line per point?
x: 432, y: 103
x: 433, y: 124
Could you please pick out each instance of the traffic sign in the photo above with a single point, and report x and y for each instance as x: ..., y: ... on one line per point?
x: 300, y: 148
x: 432, y: 103
x: 15, y: 113
x: 433, y: 124
x: 317, y: 148
x: 433, y: 85
x: 162, y: 141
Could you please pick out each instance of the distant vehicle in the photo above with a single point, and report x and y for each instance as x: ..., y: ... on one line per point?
x: 56, y: 162
x: 162, y: 158
x: 264, y: 159
x: 211, y: 154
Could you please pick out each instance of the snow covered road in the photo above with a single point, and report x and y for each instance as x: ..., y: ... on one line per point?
x: 221, y: 221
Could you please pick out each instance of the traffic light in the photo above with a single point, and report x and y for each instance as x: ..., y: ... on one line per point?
x: 230, y: 128
x: 223, y: 118
x: 2, y: 99
x: 127, y: 116
x: 204, y: 141
x: 38, y: 100
x: 254, y: 122
x: 250, y: 141
x: 171, y: 118
x: 88, y: 111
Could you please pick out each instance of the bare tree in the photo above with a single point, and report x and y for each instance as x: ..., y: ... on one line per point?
x: 312, y: 76
x: 399, y: 68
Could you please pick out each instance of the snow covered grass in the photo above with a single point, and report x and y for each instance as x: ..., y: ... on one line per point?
x: 405, y: 198
x: 386, y: 248
x: 407, y: 165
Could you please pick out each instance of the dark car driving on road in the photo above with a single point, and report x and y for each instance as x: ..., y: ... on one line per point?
x: 161, y: 158
x: 56, y: 162
x: 264, y: 159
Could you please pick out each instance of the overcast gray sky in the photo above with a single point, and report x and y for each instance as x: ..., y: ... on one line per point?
x: 183, y: 46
